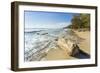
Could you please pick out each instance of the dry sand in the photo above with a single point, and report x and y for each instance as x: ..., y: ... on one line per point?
x: 59, y: 54
x: 85, y: 44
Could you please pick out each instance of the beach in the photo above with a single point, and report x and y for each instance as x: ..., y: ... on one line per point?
x: 60, y: 54
x: 57, y: 44
x: 85, y: 45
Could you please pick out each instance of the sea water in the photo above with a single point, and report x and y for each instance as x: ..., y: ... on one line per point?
x: 39, y: 40
x: 36, y: 38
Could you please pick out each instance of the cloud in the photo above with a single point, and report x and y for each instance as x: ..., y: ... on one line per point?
x: 63, y: 24
x: 56, y: 25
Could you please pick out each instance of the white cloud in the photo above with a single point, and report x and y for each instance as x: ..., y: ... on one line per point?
x: 57, y: 25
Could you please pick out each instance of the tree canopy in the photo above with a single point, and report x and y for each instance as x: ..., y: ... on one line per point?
x: 80, y: 21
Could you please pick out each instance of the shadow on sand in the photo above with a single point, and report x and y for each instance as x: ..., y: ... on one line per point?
x: 78, y: 53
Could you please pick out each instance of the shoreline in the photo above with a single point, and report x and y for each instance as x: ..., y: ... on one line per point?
x: 59, y: 54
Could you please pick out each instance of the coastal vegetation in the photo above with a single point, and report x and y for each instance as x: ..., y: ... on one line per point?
x: 68, y: 41
x: 80, y: 21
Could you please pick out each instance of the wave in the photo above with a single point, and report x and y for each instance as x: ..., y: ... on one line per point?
x: 43, y: 39
x: 34, y: 29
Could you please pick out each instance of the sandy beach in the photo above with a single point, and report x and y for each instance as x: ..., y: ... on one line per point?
x: 85, y: 44
x: 60, y: 54
x: 57, y: 54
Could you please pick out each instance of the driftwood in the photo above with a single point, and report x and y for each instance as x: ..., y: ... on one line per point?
x: 71, y: 48
x: 67, y: 46
x: 78, y: 53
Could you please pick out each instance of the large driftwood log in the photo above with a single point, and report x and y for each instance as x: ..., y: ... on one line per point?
x: 68, y: 46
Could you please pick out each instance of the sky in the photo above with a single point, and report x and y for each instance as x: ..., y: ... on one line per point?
x: 39, y: 19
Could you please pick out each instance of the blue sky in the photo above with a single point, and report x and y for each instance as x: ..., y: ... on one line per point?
x: 37, y: 19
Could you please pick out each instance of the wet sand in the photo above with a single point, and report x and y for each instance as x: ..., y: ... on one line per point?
x: 59, y: 54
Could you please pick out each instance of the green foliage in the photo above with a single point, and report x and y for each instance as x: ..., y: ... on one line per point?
x: 85, y: 18
x: 76, y: 21
x: 80, y: 21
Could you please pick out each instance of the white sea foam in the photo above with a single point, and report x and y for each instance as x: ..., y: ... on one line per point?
x: 36, y: 39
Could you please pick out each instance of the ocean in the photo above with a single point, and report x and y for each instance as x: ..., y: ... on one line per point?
x: 36, y: 39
